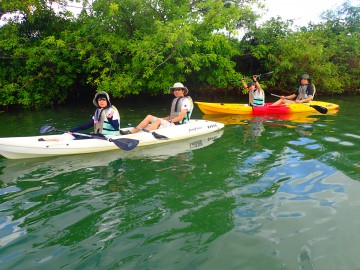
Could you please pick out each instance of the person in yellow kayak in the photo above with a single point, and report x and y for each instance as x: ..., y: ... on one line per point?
x: 304, y: 94
x: 256, y: 94
x: 180, y: 112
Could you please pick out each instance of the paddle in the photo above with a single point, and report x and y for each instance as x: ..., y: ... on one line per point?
x: 258, y: 76
x: 123, y: 143
x: 267, y: 73
x: 319, y: 108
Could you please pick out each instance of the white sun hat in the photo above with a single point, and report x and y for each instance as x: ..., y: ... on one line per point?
x: 181, y: 86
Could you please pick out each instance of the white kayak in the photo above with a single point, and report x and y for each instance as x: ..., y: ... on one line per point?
x: 45, y: 168
x: 31, y: 147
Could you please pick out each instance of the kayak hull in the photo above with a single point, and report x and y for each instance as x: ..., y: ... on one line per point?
x: 30, y: 147
x: 234, y: 108
x: 14, y: 169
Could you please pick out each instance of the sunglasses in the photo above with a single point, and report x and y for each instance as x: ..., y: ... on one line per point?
x: 178, y: 89
x: 101, y: 99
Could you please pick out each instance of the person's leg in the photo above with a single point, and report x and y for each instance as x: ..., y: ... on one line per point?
x: 144, y: 123
x: 155, y: 124
x: 63, y: 137
x: 282, y: 101
x: 277, y: 103
x: 289, y: 101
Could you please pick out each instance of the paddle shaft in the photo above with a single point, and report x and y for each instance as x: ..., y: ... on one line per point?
x: 83, y: 134
x: 258, y: 76
x: 123, y: 143
x: 267, y: 73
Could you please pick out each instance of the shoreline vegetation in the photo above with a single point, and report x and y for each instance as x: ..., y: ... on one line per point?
x: 133, y: 50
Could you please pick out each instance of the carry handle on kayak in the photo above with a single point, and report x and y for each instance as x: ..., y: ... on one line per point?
x: 123, y: 143
x: 319, y: 108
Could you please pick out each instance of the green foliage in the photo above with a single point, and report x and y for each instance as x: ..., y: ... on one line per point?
x: 329, y: 52
x: 142, y: 47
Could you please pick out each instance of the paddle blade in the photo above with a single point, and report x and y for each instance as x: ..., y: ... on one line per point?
x: 46, y: 129
x: 125, y: 144
x: 156, y: 135
x: 320, y: 109
x: 159, y: 136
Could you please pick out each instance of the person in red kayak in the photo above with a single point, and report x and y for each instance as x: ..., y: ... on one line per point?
x: 304, y: 94
x: 256, y: 94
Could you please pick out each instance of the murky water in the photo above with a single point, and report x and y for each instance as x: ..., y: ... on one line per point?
x: 264, y: 193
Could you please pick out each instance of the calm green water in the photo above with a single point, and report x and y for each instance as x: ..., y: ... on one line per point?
x: 264, y: 193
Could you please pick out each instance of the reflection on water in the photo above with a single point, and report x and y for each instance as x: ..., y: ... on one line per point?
x: 290, y: 181
x: 264, y: 193
x: 294, y: 210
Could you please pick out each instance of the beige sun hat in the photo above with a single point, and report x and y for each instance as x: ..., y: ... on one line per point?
x: 101, y: 94
x: 181, y: 86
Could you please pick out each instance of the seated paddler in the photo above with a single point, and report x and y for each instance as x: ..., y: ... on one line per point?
x: 105, y: 121
x: 180, y: 112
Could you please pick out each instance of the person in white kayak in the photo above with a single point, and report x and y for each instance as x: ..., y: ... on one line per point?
x: 105, y: 121
x: 180, y: 112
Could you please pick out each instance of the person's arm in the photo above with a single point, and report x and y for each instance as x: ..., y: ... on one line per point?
x: 186, y: 105
x: 114, y: 119
x: 83, y: 126
x: 292, y: 96
x: 257, y: 84
x: 309, y: 98
x: 114, y: 123
x: 310, y: 93
x: 180, y: 117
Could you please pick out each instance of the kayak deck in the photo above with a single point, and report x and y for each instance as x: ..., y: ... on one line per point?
x: 235, y: 108
x: 30, y: 147
x: 224, y: 108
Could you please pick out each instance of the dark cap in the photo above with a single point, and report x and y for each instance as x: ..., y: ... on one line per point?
x: 305, y: 76
x: 250, y: 84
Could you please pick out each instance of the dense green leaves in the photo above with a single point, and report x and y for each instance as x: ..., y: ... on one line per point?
x: 143, y: 46
x: 329, y: 52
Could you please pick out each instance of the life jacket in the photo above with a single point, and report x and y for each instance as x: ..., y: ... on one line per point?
x: 256, y: 98
x: 302, y: 93
x: 176, y: 109
x: 102, y: 124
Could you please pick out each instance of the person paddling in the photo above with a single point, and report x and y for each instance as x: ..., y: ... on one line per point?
x: 304, y: 94
x: 256, y: 94
x: 105, y: 121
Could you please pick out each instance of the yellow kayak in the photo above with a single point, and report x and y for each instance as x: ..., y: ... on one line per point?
x: 244, y: 119
x: 235, y: 108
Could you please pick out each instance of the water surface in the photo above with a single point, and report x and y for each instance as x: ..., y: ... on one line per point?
x: 264, y: 193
